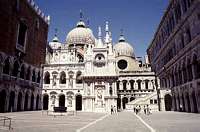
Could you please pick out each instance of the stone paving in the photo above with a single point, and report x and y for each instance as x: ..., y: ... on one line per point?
x: 125, y: 121
x: 38, y: 122
x: 173, y: 121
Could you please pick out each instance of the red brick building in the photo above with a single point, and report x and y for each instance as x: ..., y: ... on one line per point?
x: 23, y: 39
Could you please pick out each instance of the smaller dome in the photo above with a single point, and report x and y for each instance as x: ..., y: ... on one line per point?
x: 123, y: 48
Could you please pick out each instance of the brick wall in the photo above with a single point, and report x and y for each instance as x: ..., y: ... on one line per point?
x: 11, y: 13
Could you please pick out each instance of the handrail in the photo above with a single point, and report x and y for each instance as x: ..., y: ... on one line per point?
x: 4, y: 119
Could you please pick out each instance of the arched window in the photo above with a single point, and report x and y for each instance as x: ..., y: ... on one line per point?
x: 46, y: 78
x: 33, y: 76
x: 6, y: 68
x: 15, y: 69
x: 78, y: 77
x: 22, y: 71
x: 118, y: 82
x: 28, y: 73
x: 124, y: 84
x: 62, y: 78
x: 110, y: 91
x: 146, y: 84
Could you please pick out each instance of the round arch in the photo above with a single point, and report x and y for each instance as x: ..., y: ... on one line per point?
x: 45, y: 101
x: 78, y: 102
x: 124, y: 101
x: 2, y: 100
x: 62, y: 100
x: 168, y: 102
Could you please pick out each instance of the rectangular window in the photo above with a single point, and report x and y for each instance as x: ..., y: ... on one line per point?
x: 21, y: 38
x: 151, y: 101
x: 155, y: 101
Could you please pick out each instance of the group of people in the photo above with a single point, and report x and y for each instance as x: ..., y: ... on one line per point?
x: 146, y: 109
x: 113, y: 109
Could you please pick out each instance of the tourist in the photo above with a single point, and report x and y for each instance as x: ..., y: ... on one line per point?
x: 111, y: 109
x: 145, y: 110
x: 115, y: 109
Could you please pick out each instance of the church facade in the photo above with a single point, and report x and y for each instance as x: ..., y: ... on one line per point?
x: 91, y: 74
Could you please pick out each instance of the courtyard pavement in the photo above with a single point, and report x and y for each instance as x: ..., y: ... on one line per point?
x: 125, y: 121
x: 36, y: 121
x: 173, y: 121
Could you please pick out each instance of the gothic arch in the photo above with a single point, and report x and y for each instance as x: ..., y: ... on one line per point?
x: 15, y: 68
x: 6, y: 66
x: 46, y: 78
x: 28, y: 73
x: 62, y: 77
x: 78, y: 77
x: 22, y: 71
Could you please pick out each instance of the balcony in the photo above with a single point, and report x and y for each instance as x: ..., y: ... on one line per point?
x: 19, y: 81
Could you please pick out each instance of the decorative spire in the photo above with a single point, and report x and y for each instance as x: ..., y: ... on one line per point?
x: 121, y: 38
x: 99, y: 32
x: 88, y: 22
x: 107, y: 28
x: 100, y: 43
x: 81, y: 15
x: 107, y: 37
x: 81, y: 23
x: 55, y: 39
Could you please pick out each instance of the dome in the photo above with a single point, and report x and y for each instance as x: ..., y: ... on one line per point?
x: 123, y: 48
x: 80, y: 35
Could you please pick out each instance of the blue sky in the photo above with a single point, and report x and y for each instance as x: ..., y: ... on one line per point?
x: 138, y: 18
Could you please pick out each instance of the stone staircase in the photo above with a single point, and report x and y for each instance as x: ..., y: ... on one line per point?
x: 143, y: 101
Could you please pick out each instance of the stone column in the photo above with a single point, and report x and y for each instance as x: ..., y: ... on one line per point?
x: 29, y: 102
x: 120, y: 85
x: 34, y: 103
x: 15, y: 102
x: 7, y: 101
x: 128, y: 85
x: 136, y: 85
x: 121, y: 102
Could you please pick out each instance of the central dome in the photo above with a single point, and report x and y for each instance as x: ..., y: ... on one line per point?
x: 123, y: 48
x: 80, y: 35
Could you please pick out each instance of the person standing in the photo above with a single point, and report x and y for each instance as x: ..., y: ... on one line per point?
x: 145, y: 110
x: 115, y: 109
x: 111, y: 109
